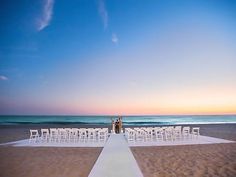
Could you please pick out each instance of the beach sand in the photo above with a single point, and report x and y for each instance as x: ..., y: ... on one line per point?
x: 43, y: 162
x: 188, y: 160
x: 191, y: 160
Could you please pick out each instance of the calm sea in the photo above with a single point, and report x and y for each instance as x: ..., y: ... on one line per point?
x: 127, y: 120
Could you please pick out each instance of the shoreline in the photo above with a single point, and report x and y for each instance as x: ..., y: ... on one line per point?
x: 108, y: 124
x: 78, y: 125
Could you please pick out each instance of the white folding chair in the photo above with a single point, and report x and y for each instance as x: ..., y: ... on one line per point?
x: 139, y: 134
x: 195, y: 132
x: 74, y: 134
x: 45, y: 135
x: 169, y: 133
x: 130, y: 135
x: 148, y: 134
x: 82, y: 134
x: 159, y: 133
x: 186, y: 132
x: 177, y: 134
x: 97, y: 133
x: 62, y: 135
x: 53, y: 135
x: 68, y: 134
x: 126, y: 132
x: 91, y: 135
x: 106, y: 132
x: 34, y: 136
x: 102, y: 135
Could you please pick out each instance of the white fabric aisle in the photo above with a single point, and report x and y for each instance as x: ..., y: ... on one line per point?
x: 116, y: 160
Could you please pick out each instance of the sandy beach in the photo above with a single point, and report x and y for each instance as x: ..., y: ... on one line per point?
x: 53, y: 162
x: 188, y: 160
x: 43, y: 161
x: 191, y: 160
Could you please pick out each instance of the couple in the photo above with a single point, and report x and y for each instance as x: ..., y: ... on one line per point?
x: 117, y: 125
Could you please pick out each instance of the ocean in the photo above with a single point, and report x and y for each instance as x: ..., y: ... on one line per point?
x: 127, y: 120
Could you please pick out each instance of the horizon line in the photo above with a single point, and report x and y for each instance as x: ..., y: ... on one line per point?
x: 128, y: 115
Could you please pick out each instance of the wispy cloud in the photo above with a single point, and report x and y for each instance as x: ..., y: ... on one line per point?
x: 114, y: 38
x: 104, y: 16
x: 103, y: 12
x: 3, y: 78
x: 46, y: 16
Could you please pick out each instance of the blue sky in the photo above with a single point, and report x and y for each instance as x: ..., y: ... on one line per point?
x: 117, y: 57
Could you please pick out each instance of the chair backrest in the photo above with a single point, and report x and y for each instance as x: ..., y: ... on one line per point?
x: 140, y: 131
x: 186, y: 129
x: 75, y: 131
x: 177, y: 129
x: 149, y: 131
x: 169, y: 129
x: 131, y: 132
x: 196, y: 130
x: 102, y: 133
x: 105, y: 130
x: 62, y: 132
x: 158, y: 130
x: 44, y: 131
x: 91, y: 132
x: 82, y: 132
x: 34, y: 132
x: 68, y: 131
x: 53, y: 131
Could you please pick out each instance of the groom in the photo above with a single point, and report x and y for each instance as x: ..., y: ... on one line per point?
x: 120, y: 124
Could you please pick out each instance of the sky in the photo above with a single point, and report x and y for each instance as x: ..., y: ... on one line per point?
x: 126, y: 57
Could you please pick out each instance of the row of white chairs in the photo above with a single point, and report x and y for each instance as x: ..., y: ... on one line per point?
x: 69, y: 135
x: 170, y: 133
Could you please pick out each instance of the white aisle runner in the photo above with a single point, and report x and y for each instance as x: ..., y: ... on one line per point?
x: 116, y: 160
